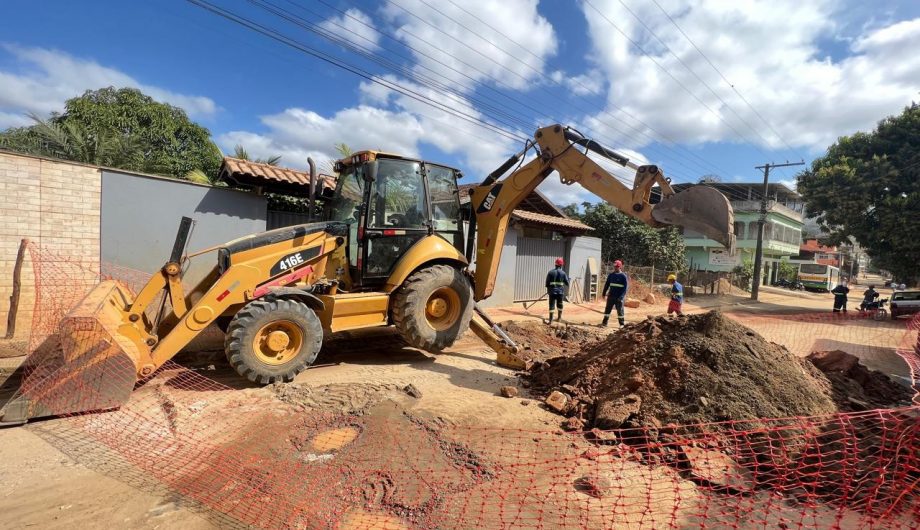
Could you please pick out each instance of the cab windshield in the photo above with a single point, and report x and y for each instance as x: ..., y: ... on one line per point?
x: 349, y: 192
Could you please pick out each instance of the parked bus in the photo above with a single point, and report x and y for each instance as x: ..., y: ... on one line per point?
x: 816, y: 276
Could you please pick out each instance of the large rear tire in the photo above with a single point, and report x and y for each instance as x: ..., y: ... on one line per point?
x: 273, y: 340
x: 433, y: 307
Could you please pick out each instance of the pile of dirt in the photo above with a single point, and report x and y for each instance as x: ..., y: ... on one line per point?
x: 693, y: 369
x: 541, y: 342
x: 854, y: 387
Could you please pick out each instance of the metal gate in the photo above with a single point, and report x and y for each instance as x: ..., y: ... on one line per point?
x: 279, y: 219
x: 535, y: 257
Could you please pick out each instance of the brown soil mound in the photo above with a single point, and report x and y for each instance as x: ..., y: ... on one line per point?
x: 541, y: 342
x: 693, y: 369
x: 855, y: 387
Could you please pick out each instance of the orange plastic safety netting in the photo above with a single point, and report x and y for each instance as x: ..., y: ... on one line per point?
x: 291, y: 456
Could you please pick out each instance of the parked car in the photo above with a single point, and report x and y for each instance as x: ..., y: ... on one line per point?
x: 905, y: 303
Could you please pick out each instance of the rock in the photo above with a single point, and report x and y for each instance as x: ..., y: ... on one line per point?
x: 631, y: 302
x: 573, y: 424
x: 650, y: 298
x: 703, y: 401
x: 525, y: 402
x: 612, y: 414
x: 606, y: 437
x: 556, y: 401
x: 412, y: 391
x: 858, y: 404
x: 635, y: 381
x: 509, y: 391
x: 570, y: 389
x: 717, y: 469
x: 596, y: 485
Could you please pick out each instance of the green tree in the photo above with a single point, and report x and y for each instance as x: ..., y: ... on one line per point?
x: 631, y: 240
x: 122, y: 128
x: 867, y: 186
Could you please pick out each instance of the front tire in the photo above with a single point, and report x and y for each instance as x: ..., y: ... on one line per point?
x: 273, y: 340
x: 433, y: 307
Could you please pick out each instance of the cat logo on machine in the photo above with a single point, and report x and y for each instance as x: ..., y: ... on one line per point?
x: 295, y: 259
x: 489, y: 201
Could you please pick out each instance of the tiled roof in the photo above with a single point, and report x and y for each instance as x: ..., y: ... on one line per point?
x: 272, y: 178
x: 552, y: 220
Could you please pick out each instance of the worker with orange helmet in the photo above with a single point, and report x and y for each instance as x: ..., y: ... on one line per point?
x: 617, y: 284
x: 677, y: 296
x: 556, y: 282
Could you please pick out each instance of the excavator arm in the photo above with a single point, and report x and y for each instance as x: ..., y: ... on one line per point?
x: 701, y: 208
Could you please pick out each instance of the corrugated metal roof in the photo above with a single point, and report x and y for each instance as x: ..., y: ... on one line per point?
x: 552, y: 220
x: 272, y: 178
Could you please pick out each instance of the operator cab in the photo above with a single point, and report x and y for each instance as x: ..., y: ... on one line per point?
x: 389, y: 203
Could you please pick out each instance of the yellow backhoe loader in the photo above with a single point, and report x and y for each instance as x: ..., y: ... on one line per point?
x: 390, y: 250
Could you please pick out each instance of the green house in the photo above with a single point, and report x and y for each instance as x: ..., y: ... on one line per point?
x: 782, y: 231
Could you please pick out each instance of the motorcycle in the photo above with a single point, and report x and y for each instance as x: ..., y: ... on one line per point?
x: 876, y: 309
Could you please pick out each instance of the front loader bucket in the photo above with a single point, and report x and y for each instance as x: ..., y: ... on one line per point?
x: 702, y: 209
x: 88, y: 366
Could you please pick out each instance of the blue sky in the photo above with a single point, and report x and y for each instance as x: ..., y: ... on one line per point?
x: 647, y: 77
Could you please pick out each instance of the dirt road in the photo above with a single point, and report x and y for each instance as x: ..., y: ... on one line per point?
x: 42, y: 487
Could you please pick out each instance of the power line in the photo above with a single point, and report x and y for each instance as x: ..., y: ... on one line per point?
x: 581, y: 109
x: 517, y: 101
x: 692, y: 72
x: 729, y: 83
x: 248, y: 23
x: 363, y: 51
x: 254, y: 26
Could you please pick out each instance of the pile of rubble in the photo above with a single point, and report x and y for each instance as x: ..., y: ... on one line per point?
x: 693, y: 369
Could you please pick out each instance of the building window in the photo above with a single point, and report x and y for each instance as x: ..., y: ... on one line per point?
x: 739, y: 230
x: 752, y: 230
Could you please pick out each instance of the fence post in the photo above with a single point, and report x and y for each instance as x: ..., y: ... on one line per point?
x: 651, y: 280
x: 17, y: 287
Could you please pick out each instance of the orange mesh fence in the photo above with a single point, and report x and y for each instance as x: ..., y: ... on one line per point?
x: 285, y: 457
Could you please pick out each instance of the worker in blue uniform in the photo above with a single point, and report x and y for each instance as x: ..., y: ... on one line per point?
x: 556, y: 282
x: 615, y: 290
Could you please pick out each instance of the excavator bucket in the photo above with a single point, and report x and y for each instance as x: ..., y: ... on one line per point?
x: 89, y: 366
x: 701, y: 209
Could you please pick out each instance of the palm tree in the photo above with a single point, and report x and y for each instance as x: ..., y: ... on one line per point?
x: 71, y: 141
x: 240, y: 152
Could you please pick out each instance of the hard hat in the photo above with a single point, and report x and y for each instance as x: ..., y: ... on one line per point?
x: 617, y: 263
x: 672, y: 277
x: 559, y: 262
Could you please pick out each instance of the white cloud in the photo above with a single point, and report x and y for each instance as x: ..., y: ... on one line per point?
x: 769, y: 51
x: 508, y: 41
x: 354, y: 26
x: 296, y: 134
x: 386, y: 121
x: 47, y: 78
x: 590, y: 83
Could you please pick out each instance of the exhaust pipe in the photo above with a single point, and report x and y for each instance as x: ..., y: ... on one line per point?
x: 312, y: 165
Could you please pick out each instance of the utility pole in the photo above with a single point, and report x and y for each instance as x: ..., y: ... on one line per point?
x: 758, y: 253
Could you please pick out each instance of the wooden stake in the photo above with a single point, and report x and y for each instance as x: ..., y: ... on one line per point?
x: 17, y: 287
